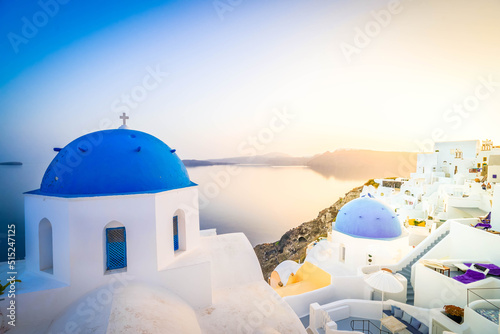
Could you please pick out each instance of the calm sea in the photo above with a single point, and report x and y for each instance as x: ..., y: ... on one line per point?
x: 261, y: 201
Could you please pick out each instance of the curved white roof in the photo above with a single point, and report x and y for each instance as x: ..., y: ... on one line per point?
x: 285, y: 269
x: 135, y: 308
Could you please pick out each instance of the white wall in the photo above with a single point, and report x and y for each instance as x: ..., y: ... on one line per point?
x: 469, y: 148
x: 463, y: 244
x: 56, y: 211
x: 468, y: 242
x: 45, y: 243
x: 422, y: 314
x: 345, y: 287
x: 79, y: 248
x: 493, y: 170
x: 463, y: 166
x: 413, y: 214
x: 183, y: 202
x: 439, y: 322
x: 78, y: 230
x: 426, y: 163
x: 88, y: 218
x: 193, y: 283
x: 434, y: 290
x: 475, y: 320
x: 346, y: 308
x: 495, y: 211
x: 382, y: 251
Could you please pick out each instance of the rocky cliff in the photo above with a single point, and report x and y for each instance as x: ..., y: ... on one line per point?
x: 292, y: 245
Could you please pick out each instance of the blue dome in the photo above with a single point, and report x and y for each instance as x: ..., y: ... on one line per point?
x: 113, y: 162
x: 366, y: 217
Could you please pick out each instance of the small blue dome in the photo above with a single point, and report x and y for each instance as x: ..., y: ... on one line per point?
x: 366, y: 217
x: 113, y: 162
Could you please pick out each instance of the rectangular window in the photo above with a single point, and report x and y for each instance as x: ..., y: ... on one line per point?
x: 342, y: 253
x: 176, y: 233
x: 116, y: 248
x: 485, y: 158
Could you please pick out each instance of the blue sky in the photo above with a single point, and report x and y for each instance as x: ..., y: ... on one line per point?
x: 205, y: 80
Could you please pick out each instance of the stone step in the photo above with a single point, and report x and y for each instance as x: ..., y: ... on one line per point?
x: 406, y: 271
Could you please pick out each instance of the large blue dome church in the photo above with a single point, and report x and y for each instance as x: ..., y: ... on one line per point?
x: 367, y: 217
x: 114, y: 162
x: 109, y: 200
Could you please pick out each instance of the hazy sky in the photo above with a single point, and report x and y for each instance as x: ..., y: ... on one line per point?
x: 204, y: 76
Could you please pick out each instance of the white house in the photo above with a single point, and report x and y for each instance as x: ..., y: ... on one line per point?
x: 483, y: 159
x: 494, y: 169
x: 456, y: 156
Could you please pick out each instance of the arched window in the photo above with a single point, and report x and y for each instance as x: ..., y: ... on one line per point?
x: 116, y: 248
x: 176, y: 232
x: 179, y: 230
x: 45, y: 250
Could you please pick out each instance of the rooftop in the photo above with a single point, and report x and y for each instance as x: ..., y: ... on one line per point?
x: 113, y: 162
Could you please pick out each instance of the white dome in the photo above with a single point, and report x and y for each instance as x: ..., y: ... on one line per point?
x: 135, y: 308
x: 366, y: 217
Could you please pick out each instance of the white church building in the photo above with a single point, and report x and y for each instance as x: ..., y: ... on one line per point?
x: 113, y: 245
x: 125, y: 192
x: 368, y: 232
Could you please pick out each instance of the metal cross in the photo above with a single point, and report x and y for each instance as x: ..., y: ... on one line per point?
x: 124, y: 117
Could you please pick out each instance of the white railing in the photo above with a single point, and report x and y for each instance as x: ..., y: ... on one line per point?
x: 319, y: 318
x: 440, y: 231
x: 437, y: 233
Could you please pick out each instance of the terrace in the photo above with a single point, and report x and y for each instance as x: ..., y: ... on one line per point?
x: 364, y: 316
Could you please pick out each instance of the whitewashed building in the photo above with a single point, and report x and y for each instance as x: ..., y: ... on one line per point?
x: 368, y: 232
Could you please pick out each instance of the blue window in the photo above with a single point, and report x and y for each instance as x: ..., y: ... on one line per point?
x: 494, y: 176
x: 176, y: 233
x: 116, y: 248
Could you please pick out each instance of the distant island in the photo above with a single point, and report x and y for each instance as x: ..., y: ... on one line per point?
x: 270, y: 159
x: 367, y: 164
x: 343, y: 164
x: 202, y: 163
x: 11, y: 163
